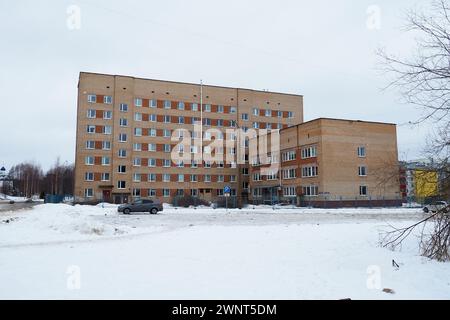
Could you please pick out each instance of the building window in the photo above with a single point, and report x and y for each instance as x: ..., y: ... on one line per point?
x: 166, y: 133
x: 194, y: 192
x: 136, y: 192
x: 255, y: 125
x: 206, y: 122
x: 123, y: 122
x: 245, y: 171
x: 152, y: 192
x: 107, y: 115
x: 152, y: 118
x: 220, y: 178
x: 268, y: 113
x: 207, y: 108
x: 309, y: 152
x: 138, y: 102
x: 361, y: 152
x: 105, y: 176
x: 290, y: 114
x: 107, y: 99
x: 167, y: 104
x: 122, y: 169
x: 257, y: 193
x: 153, y: 103
x: 121, y: 184
x: 136, y: 162
x: 167, y: 148
x: 244, y: 116
x: 138, y: 116
x: 166, y: 193
x: 220, y: 122
x: 106, y: 145
x: 89, y: 160
x: 181, y: 178
x: 255, y: 111
x: 194, y: 164
x: 122, y: 137
x: 279, y: 113
x: 207, y: 178
x: 90, y: 129
x: 151, y: 177
x: 122, y: 153
x: 107, y: 129
x: 310, y: 190
x: 279, y: 125
x: 362, y: 171
x: 106, y: 161
x: 194, y: 107
x: 92, y: 98
x: 180, y: 105
x: 289, y: 192
x: 289, y: 155
x: 166, y: 177
x: 152, y: 162
x: 233, y: 109
x: 137, y: 147
x: 363, y: 190
x: 272, y: 176
x: 136, y: 177
x: 167, y: 119
x: 123, y: 107
x: 91, y: 113
x: 180, y: 120
x: 194, y: 178
x: 90, y: 144
x: 256, y: 176
x: 152, y: 132
x: 220, y: 108
x: 151, y: 147
x: 232, y: 178
x: 289, y: 173
x: 166, y: 163
x: 310, y: 171
x: 89, y: 192
x: 137, y: 132
x: 89, y: 176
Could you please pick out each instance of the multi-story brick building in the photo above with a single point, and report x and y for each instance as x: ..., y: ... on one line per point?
x: 124, y: 130
x: 332, y: 162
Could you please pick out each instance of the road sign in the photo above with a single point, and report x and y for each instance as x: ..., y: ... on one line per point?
x: 227, y: 189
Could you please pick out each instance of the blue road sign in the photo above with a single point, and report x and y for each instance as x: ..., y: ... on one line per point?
x: 227, y: 189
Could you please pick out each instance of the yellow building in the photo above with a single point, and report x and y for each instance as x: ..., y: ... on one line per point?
x: 426, y: 183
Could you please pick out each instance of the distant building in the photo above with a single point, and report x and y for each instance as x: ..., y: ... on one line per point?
x: 422, y: 180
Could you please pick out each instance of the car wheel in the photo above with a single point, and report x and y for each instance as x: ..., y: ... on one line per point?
x: 126, y: 211
x: 425, y: 210
x: 153, y: 211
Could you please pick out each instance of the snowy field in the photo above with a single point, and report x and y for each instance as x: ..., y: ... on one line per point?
x: 60, y: 251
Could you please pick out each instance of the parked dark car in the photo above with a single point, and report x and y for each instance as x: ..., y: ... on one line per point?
x: 144, y: 205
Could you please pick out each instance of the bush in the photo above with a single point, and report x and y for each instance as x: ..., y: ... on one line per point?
x: 187, y: 201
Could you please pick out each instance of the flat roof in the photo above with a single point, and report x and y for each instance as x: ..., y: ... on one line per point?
x: 336, y: 119
x: 190, y: 83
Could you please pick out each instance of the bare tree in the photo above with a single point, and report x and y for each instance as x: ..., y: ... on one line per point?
x: 424, y: 81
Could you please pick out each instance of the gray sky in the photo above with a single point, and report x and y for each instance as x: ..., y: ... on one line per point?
x: 321, y: 49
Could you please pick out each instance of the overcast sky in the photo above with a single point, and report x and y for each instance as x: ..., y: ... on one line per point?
x: 324, y: 50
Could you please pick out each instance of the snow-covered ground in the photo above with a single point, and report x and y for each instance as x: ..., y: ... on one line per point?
x: 61, y: 251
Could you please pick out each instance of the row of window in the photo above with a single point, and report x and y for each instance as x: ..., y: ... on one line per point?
x: 166, y: 177
x: 92, y: 98
x: 180, y: 105
x: 137, y: 192
x: 307, y: 171
x: 312, y: 190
